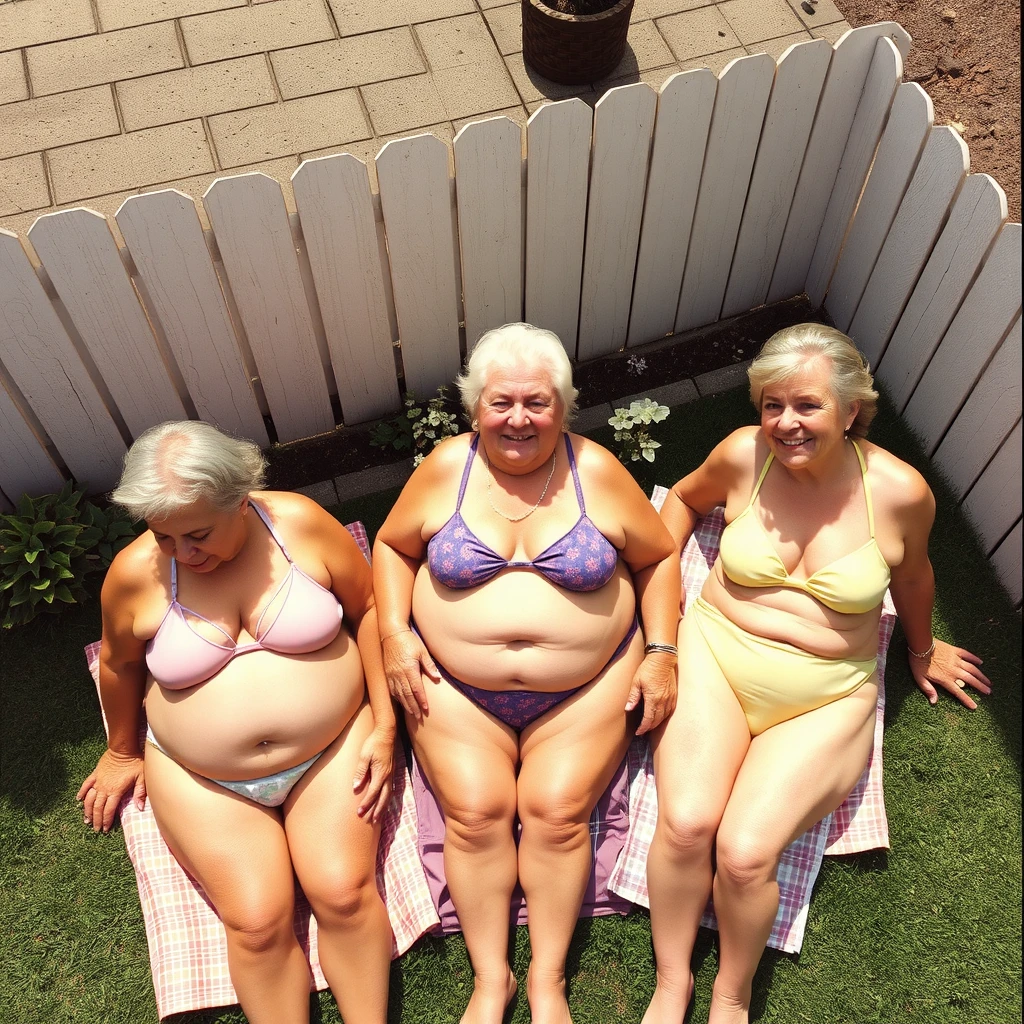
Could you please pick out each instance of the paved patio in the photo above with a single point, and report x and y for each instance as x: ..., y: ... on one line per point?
x: 102, y: 99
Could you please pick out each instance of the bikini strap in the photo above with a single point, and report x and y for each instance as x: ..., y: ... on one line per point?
x: 575, y: 476
x: 174, y: 581
x: 760, y: 479
x: 466, y: 471
x: 273, y: 533
x: 867, y: 487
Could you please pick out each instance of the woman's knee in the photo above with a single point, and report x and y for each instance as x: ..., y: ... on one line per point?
x: 554, y: 818
x: 476, y: 820
x: 258, y: 921
x: 685, y: 831
x: 744, y: 860
x: 343, y: 892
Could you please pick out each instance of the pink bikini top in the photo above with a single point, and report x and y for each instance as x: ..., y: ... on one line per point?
x: 309, y: 618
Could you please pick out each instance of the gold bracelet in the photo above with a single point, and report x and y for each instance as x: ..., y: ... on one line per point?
x: 923, y: 654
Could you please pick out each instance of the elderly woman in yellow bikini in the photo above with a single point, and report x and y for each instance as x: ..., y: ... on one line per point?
x: 777, y: 669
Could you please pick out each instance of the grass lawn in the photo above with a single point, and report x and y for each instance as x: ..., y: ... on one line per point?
x: 930, y: 931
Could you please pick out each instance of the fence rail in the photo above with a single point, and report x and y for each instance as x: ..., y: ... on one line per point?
x: 652, y: 213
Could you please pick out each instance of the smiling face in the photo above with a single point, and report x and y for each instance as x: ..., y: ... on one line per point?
x: 519, y: 417
x: 801, y: 420
x: 201, y: 536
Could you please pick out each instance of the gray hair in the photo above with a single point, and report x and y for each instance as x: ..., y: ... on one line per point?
x: 512, y: 346
x: 174, y: 464
x: 787, y: 351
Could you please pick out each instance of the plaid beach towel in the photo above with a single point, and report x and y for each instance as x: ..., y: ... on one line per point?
x: 859, y: 824
x: 187, y: 947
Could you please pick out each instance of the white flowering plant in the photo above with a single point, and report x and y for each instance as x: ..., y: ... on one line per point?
x: 632, y: 438
x: 417, y: 428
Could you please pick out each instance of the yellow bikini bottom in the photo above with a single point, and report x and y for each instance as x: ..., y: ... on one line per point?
x: 774, y: 681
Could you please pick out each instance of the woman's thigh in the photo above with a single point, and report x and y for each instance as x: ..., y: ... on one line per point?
x: 798, y: 771
x: 467, y: 755
x: 570, y: 754
x: 329, y: 841
x: 235, y: 848
x: 701, y: 746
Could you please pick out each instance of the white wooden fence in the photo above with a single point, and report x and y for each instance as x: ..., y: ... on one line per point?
x: 654, y: 213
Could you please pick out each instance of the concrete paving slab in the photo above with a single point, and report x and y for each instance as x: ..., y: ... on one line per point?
x: 403, y: 105
x: 354, y: 17
x: 506, y: 25
x: 646, y: 9
x: 757, y: 20
x: 109, y: 57
x: 372, y: 480
x: 678, y: 393
x: 260, y: 133
x: 645, y: 49
x: 322, y: 493
x: 697, y: 33
x: 105, y: 205
x: 726, y: 378
x: 345, y: 63
x: 517, y: 114
x: 44, y: 21
x: 715, y: 61
x: 592, y: 417
x: 129, y: 161
x: 456, y: 42
x: 833, y: 33
x: 116, y: 14
x: 775, y: 48
x: 243, y: 30
x: 195, y: 92
x: 475, y: 88
x: 534, y: 87
x: 23, y: 184
x: 58, y: 120
x: 13, y: 83
x: 825, y: 13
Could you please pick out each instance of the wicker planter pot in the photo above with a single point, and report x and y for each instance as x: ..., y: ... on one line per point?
x: 574, y: 48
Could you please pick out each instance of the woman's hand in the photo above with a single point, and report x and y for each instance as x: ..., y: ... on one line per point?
x: 373, y: 773
x: 101, y: 793
x: 953, y: 669
x: 655, y: 682
x: 406, y: 662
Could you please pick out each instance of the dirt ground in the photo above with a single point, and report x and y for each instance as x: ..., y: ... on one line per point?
x: 966, y: 55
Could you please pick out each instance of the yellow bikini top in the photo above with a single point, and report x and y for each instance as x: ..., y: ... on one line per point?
x: 852, y: 584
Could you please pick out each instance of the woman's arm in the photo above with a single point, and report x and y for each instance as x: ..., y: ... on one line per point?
x: 122, y: 684
x: 932, y: 662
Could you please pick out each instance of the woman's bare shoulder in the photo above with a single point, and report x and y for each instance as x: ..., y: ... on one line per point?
x: 903, y: 485
x: 134, y: 569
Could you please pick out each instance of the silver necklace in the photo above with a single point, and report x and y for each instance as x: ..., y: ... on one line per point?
x: 529, y: 511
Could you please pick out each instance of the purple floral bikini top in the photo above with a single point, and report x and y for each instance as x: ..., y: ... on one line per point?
x: 583, y: 559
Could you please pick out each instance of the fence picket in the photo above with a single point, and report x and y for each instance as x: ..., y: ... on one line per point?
x: 787, y: 127
x: 740, y: 105
x: 81, y: 257
x: 489, y: 188
x: 557, y: 166
x: 987, y: 313
x: 986, y: 418
x: 623, y: 128
x: 847, y: 75
x: 335, y: 208
x: 911, y: 237
x: 680, y: 138
x: 165, y: 237
x: 251, y: 225
x: 898, y: 151
x: 1006, y: 560
x: 25, y: 468
x: 977, y: 215
x: 416, y: 196
x: 50, y: 375
x: 994, y: 503
x: 873, y: 111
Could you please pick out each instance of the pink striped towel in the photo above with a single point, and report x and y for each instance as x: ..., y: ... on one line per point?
x: 187, y: 948
x: 859, y: 824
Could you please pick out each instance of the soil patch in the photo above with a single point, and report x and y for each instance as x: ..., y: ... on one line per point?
x: 635, y: 371
x: 966, y: 56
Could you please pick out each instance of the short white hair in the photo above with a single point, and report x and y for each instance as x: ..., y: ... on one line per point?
x: 174, y: 464
x: 516, y: 346
x: 788, y: 351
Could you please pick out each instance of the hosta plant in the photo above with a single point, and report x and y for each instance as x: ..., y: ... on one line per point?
x: 632, y: 437
x: 48, y: 546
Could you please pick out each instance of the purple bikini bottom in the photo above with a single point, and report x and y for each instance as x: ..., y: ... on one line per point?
x: 518, y: 708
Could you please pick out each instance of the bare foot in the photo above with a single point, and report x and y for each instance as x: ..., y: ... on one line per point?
x: 490, y: 1000
x: 669, y: 1004
x: 548, y: 1004
x: 728, y: 1009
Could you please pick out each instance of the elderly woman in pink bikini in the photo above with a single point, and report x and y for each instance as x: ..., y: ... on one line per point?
x: 509, y: 577
x: 244, y: 620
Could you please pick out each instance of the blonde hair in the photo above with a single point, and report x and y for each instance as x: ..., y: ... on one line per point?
x: 515, y: 346
x: 787, y: 351
x: 174, y: 464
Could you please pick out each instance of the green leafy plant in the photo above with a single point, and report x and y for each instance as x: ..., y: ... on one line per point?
x: 635, y: 444
x: 417, y: 428
x: 47, y: 549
